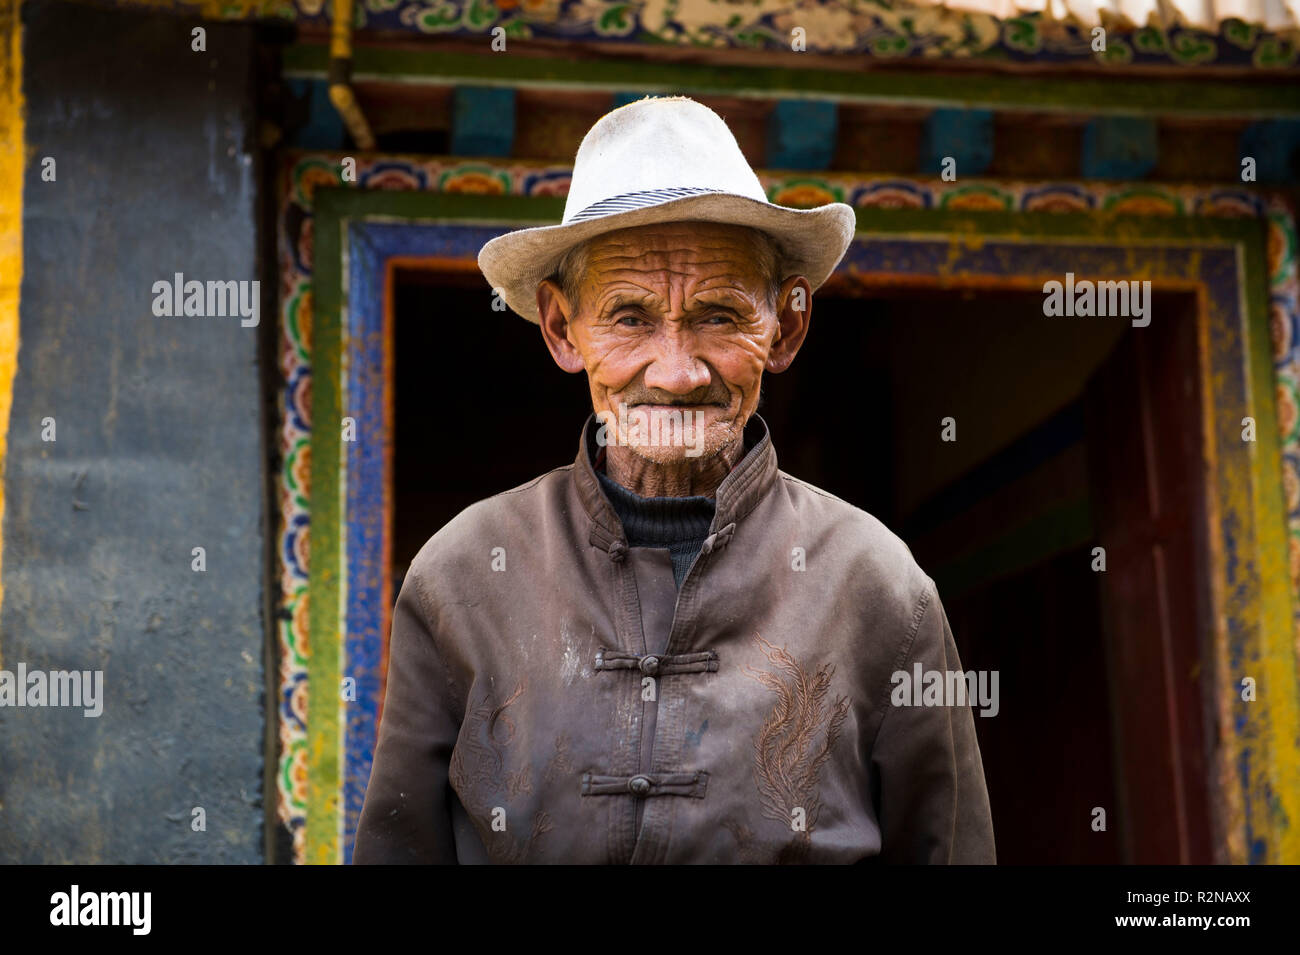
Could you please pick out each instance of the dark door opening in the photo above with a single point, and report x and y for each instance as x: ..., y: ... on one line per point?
x: 479, y: 406
x: 1004, y: 518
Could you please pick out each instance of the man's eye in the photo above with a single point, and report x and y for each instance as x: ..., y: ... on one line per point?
x: 721, y: 318
x: 631, y: 321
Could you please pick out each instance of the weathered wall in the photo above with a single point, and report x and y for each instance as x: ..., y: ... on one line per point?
x: 157, y: 450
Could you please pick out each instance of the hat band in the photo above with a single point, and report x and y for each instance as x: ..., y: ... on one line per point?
x: 638, y: 200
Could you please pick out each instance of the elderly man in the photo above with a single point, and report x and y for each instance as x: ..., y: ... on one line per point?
x: 669, y: 650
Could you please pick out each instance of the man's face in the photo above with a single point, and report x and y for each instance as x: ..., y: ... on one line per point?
x: 674, y: 318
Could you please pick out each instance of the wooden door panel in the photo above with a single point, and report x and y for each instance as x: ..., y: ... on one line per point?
x: 1144, y: 421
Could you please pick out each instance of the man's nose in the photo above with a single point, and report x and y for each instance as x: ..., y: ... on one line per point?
x: 675, y: 367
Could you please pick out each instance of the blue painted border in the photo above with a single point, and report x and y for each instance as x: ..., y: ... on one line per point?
x: 369, y: 247
x: 370, y: 244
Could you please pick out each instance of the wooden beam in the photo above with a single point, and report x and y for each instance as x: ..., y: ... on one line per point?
x: 1096, y: 95
x: 1275, y: 147
x: 1119, y: 147
x: 482, y: 121
x: 963, y: 135
x: 801, y: 134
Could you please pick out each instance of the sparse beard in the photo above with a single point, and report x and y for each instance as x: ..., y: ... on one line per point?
x: 660, y: 434
x: 697, y: 447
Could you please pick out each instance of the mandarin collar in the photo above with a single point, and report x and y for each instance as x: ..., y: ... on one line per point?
x: 737, y: 495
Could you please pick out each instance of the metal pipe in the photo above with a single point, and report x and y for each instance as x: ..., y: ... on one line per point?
x: 340, y: 76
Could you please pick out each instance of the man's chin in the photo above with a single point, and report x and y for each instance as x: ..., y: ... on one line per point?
x: 668, y: 457
x: 695, y: 447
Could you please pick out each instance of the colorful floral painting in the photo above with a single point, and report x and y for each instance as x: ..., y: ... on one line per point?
x: 883, y: 29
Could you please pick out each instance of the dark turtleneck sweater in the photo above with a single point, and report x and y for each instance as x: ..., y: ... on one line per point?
x: 677, y: 523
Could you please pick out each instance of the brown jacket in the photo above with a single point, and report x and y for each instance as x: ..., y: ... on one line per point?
x: 552, y: 696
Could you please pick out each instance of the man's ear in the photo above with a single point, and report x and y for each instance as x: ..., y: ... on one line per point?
x: 794, y: 311
x: 555, y: 312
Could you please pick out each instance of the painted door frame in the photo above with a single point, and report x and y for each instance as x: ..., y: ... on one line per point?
x: 1223, y: 259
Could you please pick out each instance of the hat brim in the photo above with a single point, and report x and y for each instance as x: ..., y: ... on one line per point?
x: 812, y: 240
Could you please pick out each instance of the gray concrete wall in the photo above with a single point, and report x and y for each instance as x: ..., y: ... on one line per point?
x: 158, y: 450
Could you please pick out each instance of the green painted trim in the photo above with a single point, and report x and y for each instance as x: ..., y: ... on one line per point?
x: 945, y: 224
x: 461, y: 208
x: 1037, y: 539
x: 1272, y: 721
x: 326, y: 571
x: 1236, y: 98
x: 1105, y: 227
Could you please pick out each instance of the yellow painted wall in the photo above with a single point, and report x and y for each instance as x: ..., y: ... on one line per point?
x: 11, y: 220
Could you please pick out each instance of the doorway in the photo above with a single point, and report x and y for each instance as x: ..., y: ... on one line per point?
x: 1004, y: 518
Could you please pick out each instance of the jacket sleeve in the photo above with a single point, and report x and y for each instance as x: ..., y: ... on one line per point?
x: 406, y: 815
x: 931, y: 800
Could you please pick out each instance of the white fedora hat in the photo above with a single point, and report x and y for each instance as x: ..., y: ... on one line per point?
x: 663, y: 159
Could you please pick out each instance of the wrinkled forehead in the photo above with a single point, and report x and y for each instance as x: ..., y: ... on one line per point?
x: 688, y: 256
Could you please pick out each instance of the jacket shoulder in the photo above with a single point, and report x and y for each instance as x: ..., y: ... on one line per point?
x: 857, y: 539
x: 495, y: 520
